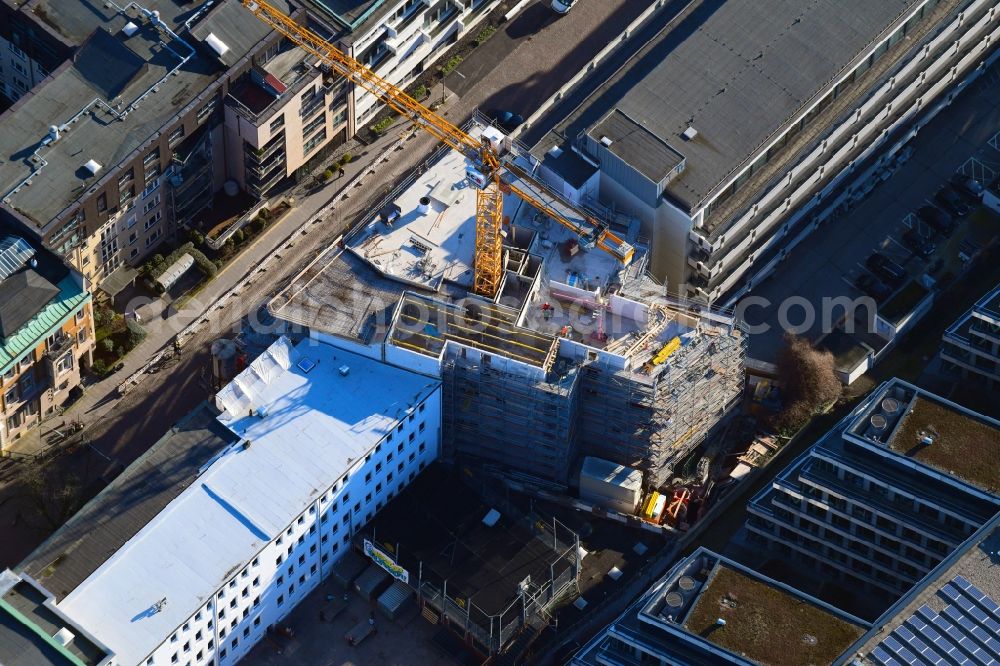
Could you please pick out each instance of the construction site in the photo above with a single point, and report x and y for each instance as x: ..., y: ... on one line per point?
x: 533, y: 305
x: 577, y: 353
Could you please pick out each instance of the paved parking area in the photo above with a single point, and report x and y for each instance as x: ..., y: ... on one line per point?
x: 827, y: 264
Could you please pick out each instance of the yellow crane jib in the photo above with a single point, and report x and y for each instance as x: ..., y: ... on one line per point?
x: 489, y: 251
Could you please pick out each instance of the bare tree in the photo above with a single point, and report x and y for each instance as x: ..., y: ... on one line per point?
x: 810, y: 382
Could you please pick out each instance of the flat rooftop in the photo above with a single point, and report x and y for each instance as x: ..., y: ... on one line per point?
x: 434, y: 237
x: 932, y: 432
x: 339, y: 293
x: 311, y: 423
x: 737, y: 71
x: 963, y: 444
x: 767, y: 623
x: 953, y: 614
x: 110, y: 68
x: 28, y: 627
x: 78, y: 548
x: 438, y: 521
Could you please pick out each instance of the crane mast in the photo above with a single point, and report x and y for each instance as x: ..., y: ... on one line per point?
x: 489, y: 201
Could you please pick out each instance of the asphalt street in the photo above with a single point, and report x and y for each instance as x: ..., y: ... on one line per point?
x: 119, y: 429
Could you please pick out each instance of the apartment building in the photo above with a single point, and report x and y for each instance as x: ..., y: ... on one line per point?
x: 232, y: 518
x: 46, y: 334
x: 30, y: 46
x: 397, y: 39
x: 124, y: 142
x: 282, y: 116
x: 887, y: 495
x: 709, y: 610
x: 971, y: 346
x: 736, y: 130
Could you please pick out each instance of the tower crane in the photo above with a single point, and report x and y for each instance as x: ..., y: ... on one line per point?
x: 499, y: 175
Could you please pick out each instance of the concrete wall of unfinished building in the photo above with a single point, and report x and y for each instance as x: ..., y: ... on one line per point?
x: 653, y: 426
x: 501, y: 419
x: 537, y: 429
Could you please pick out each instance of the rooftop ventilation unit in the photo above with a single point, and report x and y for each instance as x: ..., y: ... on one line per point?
x: 130, y: 29
x: 344, y: 370
x: 606, y: 141
x: 216, y: 44
x: 555, y: 151
x: 64, y: 637
x: 92, y: 167
x: 689, y: 134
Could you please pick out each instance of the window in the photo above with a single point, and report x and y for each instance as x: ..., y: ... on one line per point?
x: 176, y: 136
x: 277, y: 123
x: 10, y: 397
x: 151, y: 186
x: 16, y: 51
x: 27, y: 383
x: 66, y: 363
x: 205, y: 111
x: 151, y: 222
x: 102, y: 202
x: 151, y: 157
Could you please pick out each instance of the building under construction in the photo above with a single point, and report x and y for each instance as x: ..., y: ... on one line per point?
x: 576, y: 355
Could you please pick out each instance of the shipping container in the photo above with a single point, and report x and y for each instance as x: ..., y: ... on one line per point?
x: 372, y: 582
x: 397, y: 600
x: 610, y: 485
x: 348, y: 568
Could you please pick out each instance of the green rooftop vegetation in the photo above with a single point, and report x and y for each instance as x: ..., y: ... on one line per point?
x: 956, y: 443
x: 766, y: 624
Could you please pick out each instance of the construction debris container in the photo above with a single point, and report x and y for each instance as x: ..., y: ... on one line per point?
x: 396, y: 600
x: 348, y: 568
x: 611, y: 485
x: 372, y: 583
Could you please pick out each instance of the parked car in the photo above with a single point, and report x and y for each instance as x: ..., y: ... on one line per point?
x: 508, y: 121
x: 886, y: 268
x: 936, y: 219
x: 872, y: 286
x: 562, y: 6
x: 967, y: 186
x: 949, y: 200
x: 917, y: 244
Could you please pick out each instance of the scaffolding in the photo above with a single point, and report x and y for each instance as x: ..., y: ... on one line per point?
x: 502, y: 417
x: 652, y: 421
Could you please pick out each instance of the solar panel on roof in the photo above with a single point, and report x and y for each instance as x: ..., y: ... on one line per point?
x: 950, y: 591
x: 892, y: 643
x: 882, y: 657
